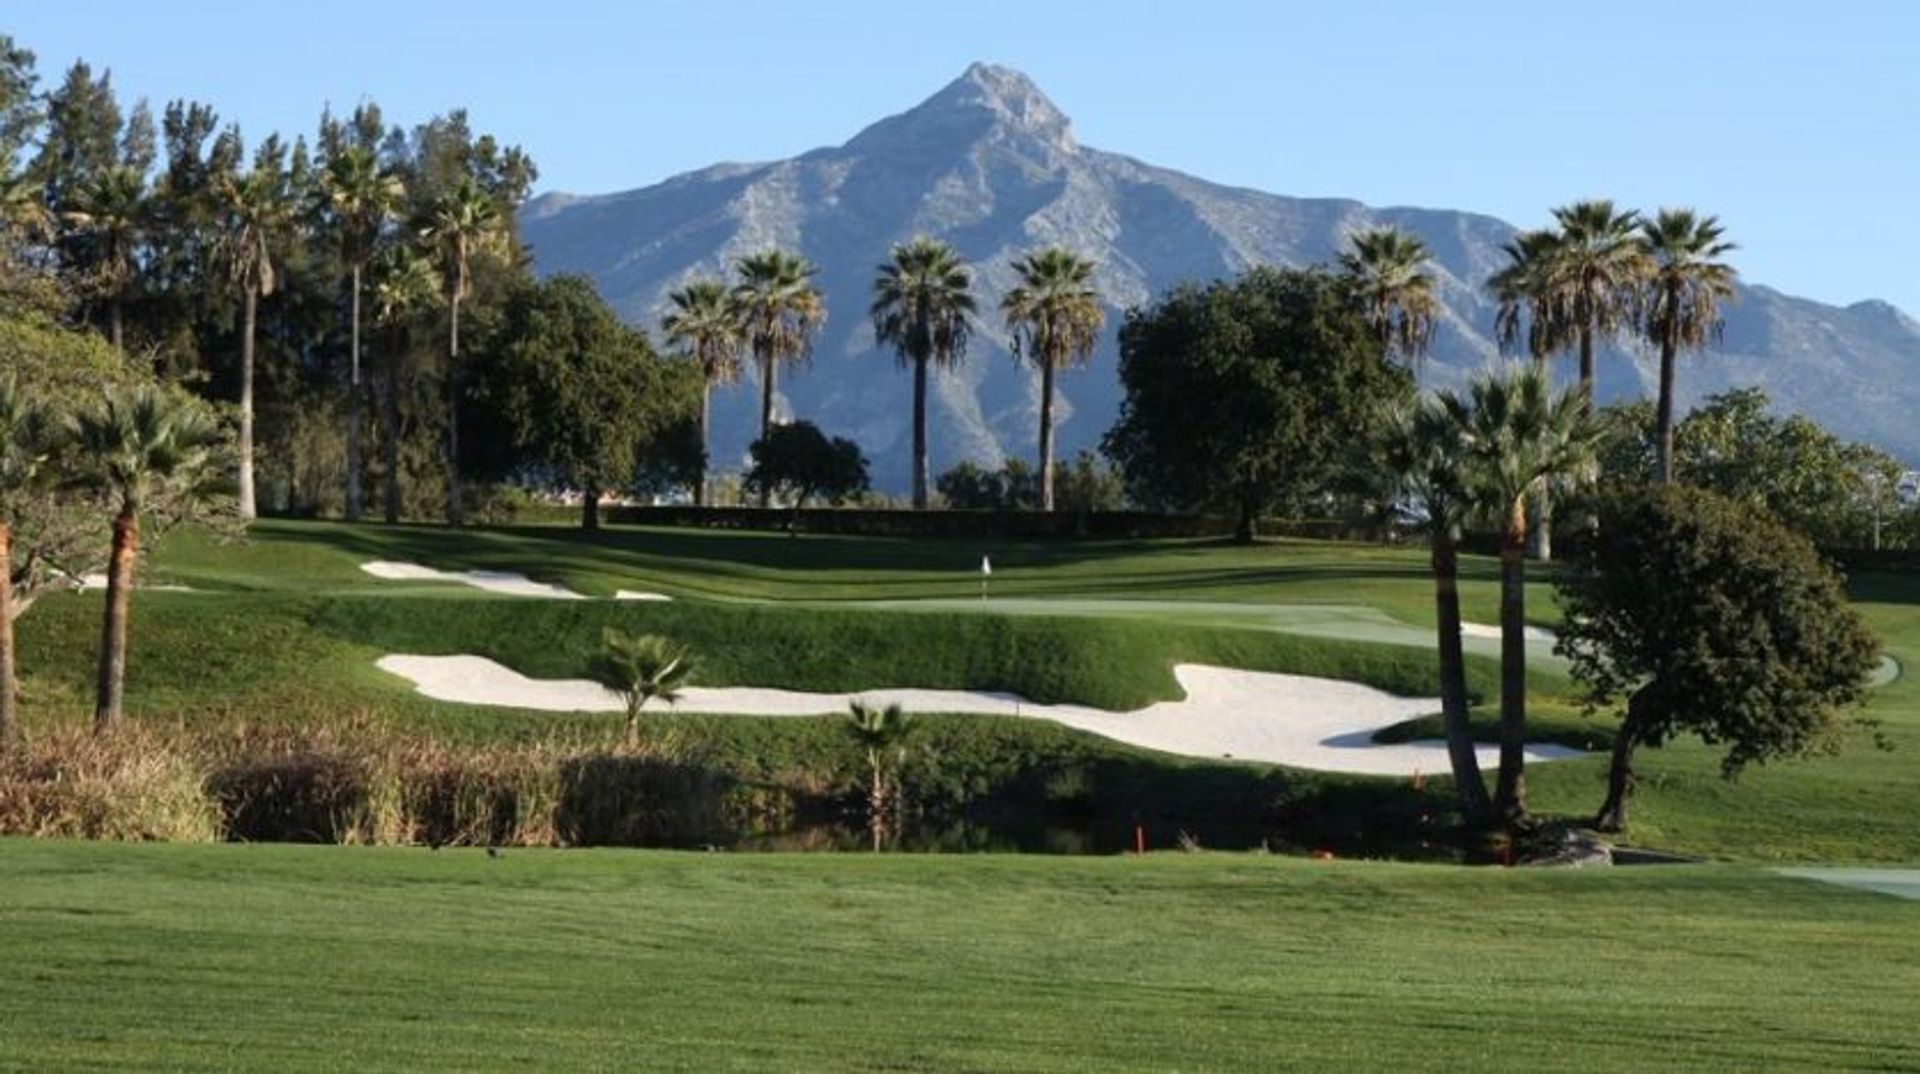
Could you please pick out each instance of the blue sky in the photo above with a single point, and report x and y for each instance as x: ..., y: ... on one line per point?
x: 1798, y: 123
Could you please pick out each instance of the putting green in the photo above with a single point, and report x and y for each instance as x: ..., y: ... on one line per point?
x: 1345, y: 622
x: 1904, y: 883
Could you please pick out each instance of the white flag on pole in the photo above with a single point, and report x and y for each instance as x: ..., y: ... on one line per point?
x: 986, y: 566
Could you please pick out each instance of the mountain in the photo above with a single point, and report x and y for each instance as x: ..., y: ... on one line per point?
x: 992, y: 166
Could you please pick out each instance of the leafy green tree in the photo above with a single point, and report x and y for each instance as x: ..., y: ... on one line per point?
x: 1732, y: 444
x: 797, y: 462
x: 460, y: 225
x: 1421, y: 451
x: 706, y: 327
x: 28, y: 435
x: 360, y: 196
x: 257, y: 213
x: 1519, y: 436
x: 781, y: 310
x: 1387, y: 268
x: 968, y: 486
x: 922, y: 302
x: 54, y: 518
x: 1247, y: 393
x: 20, y: 101
x: 80, y: 139
x: 140, y: 445
x: 1697, y: 615
x: 641, y: 668
x: 1685, y: 290
x: 1054, y: 318
x: 881, y: 734
x: 110, y: 211
x: 564, y: 377
x: 404, y: 285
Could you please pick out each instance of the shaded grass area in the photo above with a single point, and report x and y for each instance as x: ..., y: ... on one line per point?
x: 405, y: 959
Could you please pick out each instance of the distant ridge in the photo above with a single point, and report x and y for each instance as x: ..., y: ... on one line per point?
x: 991, y: 165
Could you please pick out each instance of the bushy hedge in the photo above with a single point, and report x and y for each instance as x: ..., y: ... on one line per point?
x: 894, y: 522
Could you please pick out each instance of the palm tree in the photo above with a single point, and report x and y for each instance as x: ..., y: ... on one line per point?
x: 1599, y: 271
x: 111, y: 209
x: 257, y: 212
x: 641, y: 668
x: 1387, y: 268
x: 780, y: 310
x: 1570, y: 288
x: 881, y: 734
x: 137, y: 444
x: 1524, y: 290
x: 1422, y: 452
x: 23, y: 208
x: 404, y: 284
x: 1685, y: 289
x: 707, y: 328
x: 361, y: 196
x: 921, y: 302
x: 1519, y: 436
x: 1054, y: 317
x: 27, y: 435
x: 460, y: 224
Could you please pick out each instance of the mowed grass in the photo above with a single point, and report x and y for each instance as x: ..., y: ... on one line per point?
x: 288, y: 958
x: 745, y: 565
x: 290, y: 626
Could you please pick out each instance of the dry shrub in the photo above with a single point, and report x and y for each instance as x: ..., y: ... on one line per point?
x: 129, y: 786
x: 361, y: 781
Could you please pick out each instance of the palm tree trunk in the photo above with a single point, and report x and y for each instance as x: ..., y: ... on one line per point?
x: 1663, y: 415
x: 1510, y: 796
x: 1586, y: 363
x: 1540, y: 544
x: 111, y: 688
x: 700, y: 475
x: 1046, y: 436
x: 456, y: 515
x: 590, y: 504
x: 353, y: 408
x: 10, y: 738
x: 1467, y: 779
x: 920, y: 476
x: 766, y: 413
x: 391, y: 408
x: 248, y: 507
x: 1613, y: 812
x: 115, y: 330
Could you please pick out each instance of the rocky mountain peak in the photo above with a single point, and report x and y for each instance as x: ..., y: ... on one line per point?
x: 985, y: 99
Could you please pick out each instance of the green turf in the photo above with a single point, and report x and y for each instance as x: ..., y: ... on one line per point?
x: 287, y: 958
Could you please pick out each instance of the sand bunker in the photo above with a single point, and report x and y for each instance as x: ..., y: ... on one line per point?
x: 1294, y: 720
x: 87, y: 583
x: 518, y: 585
x: 508, y: 582
x: 1533, y: 634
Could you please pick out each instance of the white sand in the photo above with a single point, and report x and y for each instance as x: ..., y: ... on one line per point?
x: 1533, y: 634
x: 634, y: 594
x: 1305, y: 722
x: 90, y: 582
x: 518, y: 585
